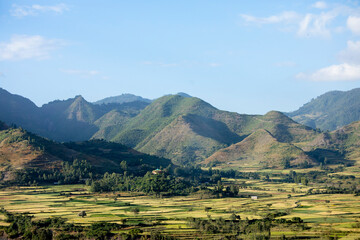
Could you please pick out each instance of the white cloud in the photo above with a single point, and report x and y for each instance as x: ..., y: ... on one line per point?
x: 33, y: 10
x: 341, y: 72
x: 320, y: 5
x: 316, y: 25
x: 352, y: 53
x: 307, y: 25
x: 284, y: 17
x: 27, y: 47
x: 353, y: 23
x: 348, y: 70
x: 313, y: 23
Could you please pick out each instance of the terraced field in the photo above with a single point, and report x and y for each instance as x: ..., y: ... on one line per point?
x: 325, y: 214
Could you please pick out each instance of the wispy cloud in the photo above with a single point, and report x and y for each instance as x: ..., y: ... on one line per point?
x: 285, y: 17
x: 348, y: 70
x: 84, y: 73
x: 353, y: 23
x: 316, y: 25
x: 351, y: 54
x: 33, y: 10
x: 311, y: 24
x: 340, y: 72
x: 28, y: 47
x: 320, y: 5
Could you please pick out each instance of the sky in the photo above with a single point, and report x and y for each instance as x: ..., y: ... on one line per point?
x: 241, y: 56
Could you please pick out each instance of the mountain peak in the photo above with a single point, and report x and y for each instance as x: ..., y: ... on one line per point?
x: 123, y: 98
x: 183, y: 94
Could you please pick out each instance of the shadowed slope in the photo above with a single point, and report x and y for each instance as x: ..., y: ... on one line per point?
x: 260, y: 149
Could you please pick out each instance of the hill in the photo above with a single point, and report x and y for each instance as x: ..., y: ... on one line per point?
x: 188, y: 130
x: 330, y: 111
x: 180, y: 127
x: 20, y: 149
x: 123, y: 98
x: 15, y: 109
x: 73, y: 119
x: 260, y: 149
x: 345, y: 141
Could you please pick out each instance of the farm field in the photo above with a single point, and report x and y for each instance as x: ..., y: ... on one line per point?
x: 326, y: 215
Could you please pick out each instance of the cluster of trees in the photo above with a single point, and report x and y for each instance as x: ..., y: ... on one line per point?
x: 256, y: 228
x: 248, y: 229
x: 23, y: 226
x: 172, y: 181
x: 159, y: 184
x: 71, y: 173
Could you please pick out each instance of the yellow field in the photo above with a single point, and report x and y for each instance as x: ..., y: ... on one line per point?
x: 336, y: 216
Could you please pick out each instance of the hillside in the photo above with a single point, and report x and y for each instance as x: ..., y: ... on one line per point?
x: 260, y: 149
x: 20, y: 149
x: 123, y: 98
x: 188, y: 130
x: 15, y: 109
x: 345, y: 140
x: 73, y: 119
x: 182, y: 128
x: 330, y: 111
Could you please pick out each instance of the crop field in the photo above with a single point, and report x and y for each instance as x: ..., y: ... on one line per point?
x: 331, y: 215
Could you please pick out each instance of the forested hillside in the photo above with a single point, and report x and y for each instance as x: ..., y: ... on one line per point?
x: 330, y: 111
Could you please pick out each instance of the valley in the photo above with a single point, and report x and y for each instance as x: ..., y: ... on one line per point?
x: 172, y: 168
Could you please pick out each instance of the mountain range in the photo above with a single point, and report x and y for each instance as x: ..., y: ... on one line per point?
x: 21, y: 149
x: 187, y: 130
x: 330, y: 111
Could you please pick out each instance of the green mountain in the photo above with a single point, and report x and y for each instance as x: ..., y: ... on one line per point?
x: 77, y: 109
x: 20, y: 149
x: 260, y: 149
x: 73, y: 119
x: 188, y: 130
x: 123, y: 98
x: 330, y: 111
x: 345, y: 141
x: 15, y: 109
x: 179, y: 127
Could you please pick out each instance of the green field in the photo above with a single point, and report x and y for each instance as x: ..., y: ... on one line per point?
x: 326, y: 215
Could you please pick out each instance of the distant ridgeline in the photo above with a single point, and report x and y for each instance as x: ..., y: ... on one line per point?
x: 330, y: 111
x: 179, y: 127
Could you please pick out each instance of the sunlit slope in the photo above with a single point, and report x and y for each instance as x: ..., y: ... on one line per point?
x: 187, y: 129
x: 261, y: 149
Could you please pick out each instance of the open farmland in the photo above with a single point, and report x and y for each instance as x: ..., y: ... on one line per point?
x: 325, y: 215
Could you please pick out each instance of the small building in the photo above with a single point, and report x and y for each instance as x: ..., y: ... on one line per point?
x: 157, y: 171
x: 254, y: 197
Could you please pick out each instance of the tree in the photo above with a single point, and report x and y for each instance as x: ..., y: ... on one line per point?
x: 123, y: 165
x: 82, y: 214
x: 286, y: 162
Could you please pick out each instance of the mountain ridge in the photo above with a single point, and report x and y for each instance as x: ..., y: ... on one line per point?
x: 330, y: 111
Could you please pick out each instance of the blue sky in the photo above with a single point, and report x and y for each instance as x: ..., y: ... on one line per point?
x: 243, y: 56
